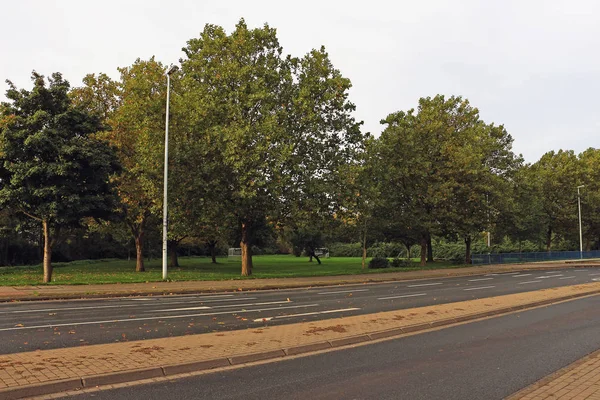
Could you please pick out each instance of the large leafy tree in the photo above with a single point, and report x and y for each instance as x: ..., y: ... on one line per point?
x: 445, y: 169
x: 555, y: 177
x: 274, y: 128
x: 589, y: 162
x: 137, y: 132
x: 53, y: 168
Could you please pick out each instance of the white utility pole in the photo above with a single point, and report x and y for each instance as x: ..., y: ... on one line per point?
x: 580, y: 234
x: 166, y: 173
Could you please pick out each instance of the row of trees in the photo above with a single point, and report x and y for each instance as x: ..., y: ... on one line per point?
x: 264, y: 142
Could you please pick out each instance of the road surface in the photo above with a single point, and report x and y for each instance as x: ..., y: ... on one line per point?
x: 488, y: 359
x: 30, y: 326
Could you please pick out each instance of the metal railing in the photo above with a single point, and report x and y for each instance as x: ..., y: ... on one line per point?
x: 508, y: 258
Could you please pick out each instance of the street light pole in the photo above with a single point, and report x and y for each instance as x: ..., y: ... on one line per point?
x: 580, y: 234
x: 165, y: 176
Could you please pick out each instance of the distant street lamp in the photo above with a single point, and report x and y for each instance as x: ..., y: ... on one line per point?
x: 170, y: 71
x: 580, y: 234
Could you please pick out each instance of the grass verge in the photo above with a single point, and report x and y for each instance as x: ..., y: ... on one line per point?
x: 194, y: 269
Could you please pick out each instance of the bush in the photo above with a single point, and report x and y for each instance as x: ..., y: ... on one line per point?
x: 401, y: 263
x: 345, y: 250
x: 386, y: 249
x: 379, y: 262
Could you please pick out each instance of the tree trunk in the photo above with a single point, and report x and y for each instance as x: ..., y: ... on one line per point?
x: 47, y: 262
x: 173, y: 260
x: 246, y: 250
x: 423, y: 250
x: 429, y: 248
x: 468, y: 250
x: 364, y: 245
x: 549, y: 239
x: 407, y: 251
x: 139, y: 251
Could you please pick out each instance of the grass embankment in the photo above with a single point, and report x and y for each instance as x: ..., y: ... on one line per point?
x: 193, y: 269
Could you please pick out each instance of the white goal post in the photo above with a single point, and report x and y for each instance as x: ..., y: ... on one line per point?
x: 322, y: 252
x: 234, y: 252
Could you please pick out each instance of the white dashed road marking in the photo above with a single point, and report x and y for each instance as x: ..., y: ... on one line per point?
x: 402, y: 296
x: 479, y: 288
x: 426, y: 284
x: 524, y: 283
x: 518, y: 276
x: 480, y: 279
x: 550, y: 276
x: 305, y: 314
x: 568, y: 277
x: 113, y: 321
x: 345, y: 291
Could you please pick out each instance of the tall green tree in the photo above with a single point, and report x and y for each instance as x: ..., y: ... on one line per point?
x: 137, y: 132
x: 53, y: 168
x: 446, y: 169
x: 274, y: 128
x: 555, y: 176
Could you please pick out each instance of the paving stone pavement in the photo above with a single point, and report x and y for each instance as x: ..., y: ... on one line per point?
x: 578, y: 381
x: 128, y: 361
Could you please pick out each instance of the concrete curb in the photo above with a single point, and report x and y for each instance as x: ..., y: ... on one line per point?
x: 374, y: 278
x: 171, y: 370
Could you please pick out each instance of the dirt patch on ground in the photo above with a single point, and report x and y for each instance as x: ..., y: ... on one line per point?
x: 317, y: 331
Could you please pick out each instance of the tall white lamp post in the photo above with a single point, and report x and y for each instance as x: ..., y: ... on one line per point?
x: 580, y: 234
x: 166, y: 182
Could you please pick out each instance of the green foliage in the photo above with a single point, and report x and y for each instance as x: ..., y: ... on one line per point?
x: 379, y: 262
x: 52, y: 167
x: 271, y: 129
x: 401, y: 263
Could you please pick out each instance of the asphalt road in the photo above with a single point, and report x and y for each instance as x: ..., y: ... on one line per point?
x: 489, y: 360
x: 54, y: 324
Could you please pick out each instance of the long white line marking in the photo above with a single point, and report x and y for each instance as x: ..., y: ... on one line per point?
x: 345, y: 291
x: 501, y: 274
x: 402, y: 296
x: 524, y: 283
x: 151, y: 318
x: 550, y: 276
x: 224, y: 306
x: 593, y: 274
x: 305, y: 314
x: 579, y: 270
x: 479, y: 288
x: 520, y: 275
x: 217, y: 301
x: 568, y: 277
x: 182, y: 309
x: 123, y: 305
x: 426, y: 284
x: 551, y: 272
x: 480, y: 279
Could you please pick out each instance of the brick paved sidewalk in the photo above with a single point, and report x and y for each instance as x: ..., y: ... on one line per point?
x: 578, y: 381
x: 89, y: 366
x: 8, y: 293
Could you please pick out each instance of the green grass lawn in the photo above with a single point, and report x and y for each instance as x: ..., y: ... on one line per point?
x: 191, y: 269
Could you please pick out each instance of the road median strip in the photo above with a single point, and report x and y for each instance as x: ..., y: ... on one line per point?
x: 51, y: 371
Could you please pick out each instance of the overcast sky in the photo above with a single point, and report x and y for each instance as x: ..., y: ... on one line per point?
x: 533, y: 66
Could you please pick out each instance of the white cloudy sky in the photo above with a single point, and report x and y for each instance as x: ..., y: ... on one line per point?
x: 531, y: 65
